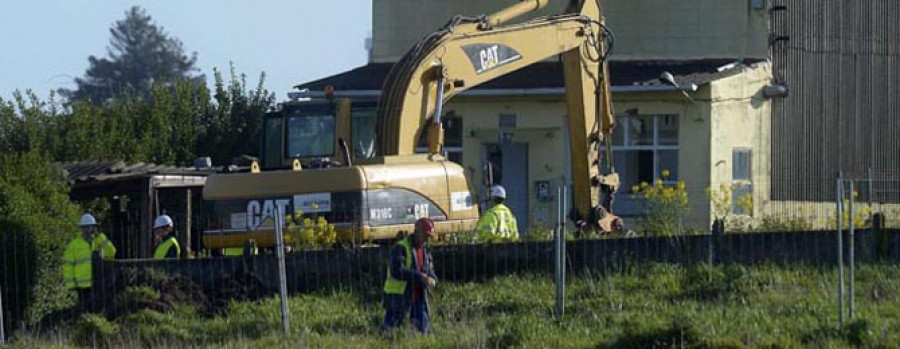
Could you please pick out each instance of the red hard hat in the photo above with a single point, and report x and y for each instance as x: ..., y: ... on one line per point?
x: 426, y: 225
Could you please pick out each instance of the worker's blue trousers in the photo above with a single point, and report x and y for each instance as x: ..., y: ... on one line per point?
x: 418, y: 316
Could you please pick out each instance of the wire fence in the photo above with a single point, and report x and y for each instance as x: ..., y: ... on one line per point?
x: 686, y: 286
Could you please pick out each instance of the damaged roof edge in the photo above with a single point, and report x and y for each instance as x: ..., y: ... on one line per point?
x: 628, y: 76
x: 500, y: 91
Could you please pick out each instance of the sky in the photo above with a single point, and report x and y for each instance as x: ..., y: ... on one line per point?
x: 45, y: 44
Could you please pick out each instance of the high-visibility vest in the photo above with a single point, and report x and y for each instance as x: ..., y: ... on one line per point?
x: 77, y: 271
x: 397, y: 286
x: 163, y: 249
x: 497, y: 223
x: 239, y: 251
x: 234, y: 251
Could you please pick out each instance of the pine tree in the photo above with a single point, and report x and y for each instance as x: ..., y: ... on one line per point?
x: 140, y: 53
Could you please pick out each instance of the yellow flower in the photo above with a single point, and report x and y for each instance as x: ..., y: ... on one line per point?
x: 635, y: 188
x: 665, y: 173
x: 681, y: 185
x: 644, y: 185
x: 668, y: 193
x: 658, y: 183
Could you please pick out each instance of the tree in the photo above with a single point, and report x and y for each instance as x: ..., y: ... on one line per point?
x: 140, y: 53
x: 38, y: 221
x: 230, y: 124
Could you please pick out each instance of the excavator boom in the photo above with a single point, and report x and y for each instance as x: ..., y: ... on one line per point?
x: 469, y: 51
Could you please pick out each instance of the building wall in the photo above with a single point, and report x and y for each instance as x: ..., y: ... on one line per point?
x: 842, y: 68
x: 644, y: 29
x: 398, y: 24
x: 687, y: 29
x: 820, y: 215
x: 742, y: 120
x: 693, y: 143
x: 541, y: 124
x: 727, y: 113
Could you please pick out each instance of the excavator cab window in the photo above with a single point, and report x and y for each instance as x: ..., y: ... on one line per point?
x: 271, y: 146
x: 362, y: 126
x: 310, y: 133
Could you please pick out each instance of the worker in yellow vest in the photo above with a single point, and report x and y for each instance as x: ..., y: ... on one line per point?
x: 77, y: 271
x: 167, y: 245
x: 497, y: 223
x: 410, y: 273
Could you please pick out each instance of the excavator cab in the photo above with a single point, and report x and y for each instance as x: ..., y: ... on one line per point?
x: 314, y: 132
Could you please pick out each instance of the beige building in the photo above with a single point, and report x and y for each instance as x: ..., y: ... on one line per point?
x: 644, y: 29
x: 712, y: 129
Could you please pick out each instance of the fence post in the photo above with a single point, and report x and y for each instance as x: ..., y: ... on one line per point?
x: 881, y: 240
x: 282, y: 277
x: 718, y: 228
x: 852, y: 247
x: 562, y: 253
x: 2, y: 323
x: 839, y: 193
x: 559, y: 238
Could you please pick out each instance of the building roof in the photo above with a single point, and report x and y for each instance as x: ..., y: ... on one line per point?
x: 550, y: 75
x: 83, y: 172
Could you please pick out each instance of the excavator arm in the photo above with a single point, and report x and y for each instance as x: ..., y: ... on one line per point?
x: 469, y: 51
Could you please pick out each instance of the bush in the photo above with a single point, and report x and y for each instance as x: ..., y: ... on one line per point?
x: 38, y: 221
x: 93, y: 330
x: 538, y: 232
x: 665, y: 206
x: 309, y: 232
x: 460, y: 237
x: 783, y: 223
x: 736, y: 212
x: 138, y: 297
x: 151, y: 288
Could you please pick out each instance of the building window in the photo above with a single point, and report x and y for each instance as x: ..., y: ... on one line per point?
x: 742, y: 184
x: 643, y: 146
x: 453, y: 138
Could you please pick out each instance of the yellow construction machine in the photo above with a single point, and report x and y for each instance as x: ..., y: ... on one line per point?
x: 315, y: 164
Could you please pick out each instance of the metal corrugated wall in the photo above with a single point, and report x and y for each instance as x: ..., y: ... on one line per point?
x: 843, y: 111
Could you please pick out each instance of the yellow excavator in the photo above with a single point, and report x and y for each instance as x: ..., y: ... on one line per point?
x: 315, y: 164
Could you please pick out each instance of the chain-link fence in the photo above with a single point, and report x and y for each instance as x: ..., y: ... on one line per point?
x: 733, y: 284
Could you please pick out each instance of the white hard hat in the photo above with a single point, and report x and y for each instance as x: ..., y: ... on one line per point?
x: 497, y: 191
x: 162, y: 221
x: 87, y: 220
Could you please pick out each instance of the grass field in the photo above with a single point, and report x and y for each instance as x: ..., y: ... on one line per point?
x: 652, y: 306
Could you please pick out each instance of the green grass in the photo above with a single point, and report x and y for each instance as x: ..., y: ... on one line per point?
x: 652, y: 306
